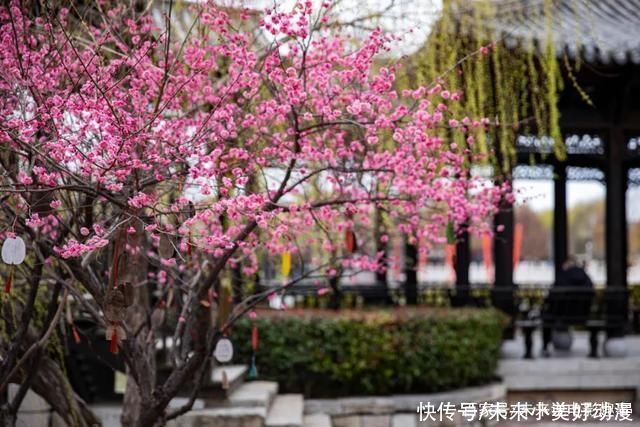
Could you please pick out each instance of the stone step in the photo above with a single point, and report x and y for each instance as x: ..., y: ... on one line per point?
x: 317, y: 420
x: 404, y: 420
x: 254, y: 394
x: 178, y: 402
x: 221, y: 417
x: 235, y: 375
x: 213, y: 391
x: 286, y: 411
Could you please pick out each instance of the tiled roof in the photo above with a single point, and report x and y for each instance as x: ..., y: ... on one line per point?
x: 600, y: 31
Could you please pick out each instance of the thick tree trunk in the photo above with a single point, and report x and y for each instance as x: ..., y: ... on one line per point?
x: 140, y: 348
x: 53, y: 386
x: 151, y: 417
x: 51, y: 383
x: 137, y: 395
x: 131, y: 403
x: 47, y: 379
x: 7, y: 419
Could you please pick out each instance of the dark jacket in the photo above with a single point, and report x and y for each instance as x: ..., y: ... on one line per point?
x: 574, y: 277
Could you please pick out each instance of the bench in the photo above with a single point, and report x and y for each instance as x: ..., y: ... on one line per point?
x: 594, y: 310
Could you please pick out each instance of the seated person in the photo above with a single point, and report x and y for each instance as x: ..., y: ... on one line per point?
x: 572, y: 277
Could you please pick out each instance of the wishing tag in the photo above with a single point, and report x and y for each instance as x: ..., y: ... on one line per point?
x: 119, y: 383
x: 115, y: 303
x: 224, y: 351
x: 13, y: 250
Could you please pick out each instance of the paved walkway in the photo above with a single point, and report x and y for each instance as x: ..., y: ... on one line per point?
x: 579, y: 349
x: 571, y: 376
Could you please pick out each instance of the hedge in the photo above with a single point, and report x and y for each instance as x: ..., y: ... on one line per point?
x: 328, y: 354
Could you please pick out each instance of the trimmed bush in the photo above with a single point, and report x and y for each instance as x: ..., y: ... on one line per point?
x: 328, y: 354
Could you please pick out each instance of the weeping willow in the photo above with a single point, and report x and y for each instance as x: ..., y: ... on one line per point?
x: 515, y: 87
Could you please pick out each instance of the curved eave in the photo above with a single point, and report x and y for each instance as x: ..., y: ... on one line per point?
x: 597, y: 31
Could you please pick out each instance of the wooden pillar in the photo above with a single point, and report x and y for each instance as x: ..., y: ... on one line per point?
x: 615, y: 202
x: 503, y: 245
x: 616, y: 218
x: 462, y: 262
x: 411, y: 272
x: 560, y: 224
x: 503, y: 292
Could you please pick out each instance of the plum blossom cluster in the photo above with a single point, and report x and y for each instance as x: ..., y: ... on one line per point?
x: 226, y: 142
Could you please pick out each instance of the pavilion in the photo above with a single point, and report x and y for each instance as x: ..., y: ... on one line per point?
x: 599, y: 119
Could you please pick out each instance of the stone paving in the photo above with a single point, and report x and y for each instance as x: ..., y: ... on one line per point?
x: 571, y: 376
x: 579, y: 348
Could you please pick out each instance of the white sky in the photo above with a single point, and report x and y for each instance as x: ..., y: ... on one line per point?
x: 408, y: 19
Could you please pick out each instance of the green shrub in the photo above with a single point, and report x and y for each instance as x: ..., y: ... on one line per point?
x: 327, y: 354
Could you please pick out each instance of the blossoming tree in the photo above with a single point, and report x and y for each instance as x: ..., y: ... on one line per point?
x: 141, y: 168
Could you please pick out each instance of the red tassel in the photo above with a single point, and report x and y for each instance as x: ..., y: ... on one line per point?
x: 254, y: 338
x: 76, y: 335
x: 350, y: 241
x: 113, y: 345
x: 7, y: 285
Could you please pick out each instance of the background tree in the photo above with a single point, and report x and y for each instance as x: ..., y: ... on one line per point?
x: 586, y: 229
x: 517, y: 92
x: 536, y: 237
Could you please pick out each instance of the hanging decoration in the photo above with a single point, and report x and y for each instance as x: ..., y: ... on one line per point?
x: 486, y: 255
x: 117, y: 298
x: 114, y: 312
x: 351, y: 244
x: 9, y: 282
x: 13, y: 250
x: 450, y: 260
x: 69, y: 316
x: 350, y: 241
x: 254, y: 337
x: 13, y: 253
x: 224, y: 350
x: 253, y: 370
x: 517, y: 244
x: 286, y: 264
x: 76, y: 335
